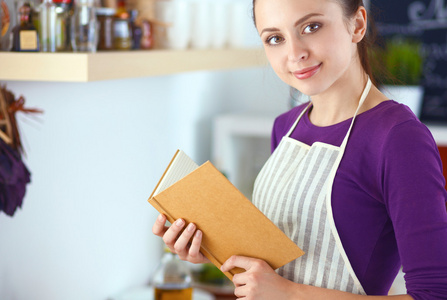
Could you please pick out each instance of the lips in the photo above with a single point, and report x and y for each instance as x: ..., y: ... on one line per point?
x: 307, y: 72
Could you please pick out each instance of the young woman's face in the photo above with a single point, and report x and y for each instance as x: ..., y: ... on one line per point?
x: 307, y: 42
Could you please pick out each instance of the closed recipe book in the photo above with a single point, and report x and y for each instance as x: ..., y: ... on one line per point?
x: 230, y: 223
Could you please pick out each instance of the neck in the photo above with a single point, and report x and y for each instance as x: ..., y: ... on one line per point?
x: 340, y: 101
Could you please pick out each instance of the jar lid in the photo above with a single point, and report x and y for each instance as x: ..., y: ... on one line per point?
x: 62, y: 1
x: 105, y: 11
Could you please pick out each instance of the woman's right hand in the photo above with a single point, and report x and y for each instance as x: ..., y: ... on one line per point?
x: 185, y: 244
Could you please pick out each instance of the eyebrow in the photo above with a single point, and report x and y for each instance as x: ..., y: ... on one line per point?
x: 302, y: 20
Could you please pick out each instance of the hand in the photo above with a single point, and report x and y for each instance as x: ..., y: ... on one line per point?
x: 259, y: 281
x: 179, y: 242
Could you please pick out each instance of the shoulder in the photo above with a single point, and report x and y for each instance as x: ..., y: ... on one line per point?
x: 392, y: 122
x: 404, y: 151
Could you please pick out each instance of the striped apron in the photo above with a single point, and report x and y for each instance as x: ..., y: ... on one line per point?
x: 294, y: 190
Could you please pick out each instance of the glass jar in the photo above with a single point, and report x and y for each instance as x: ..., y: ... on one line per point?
x: 172, y: 279
x: 84, y: 27
x: 122, y: 28
x: 62, y: 22
x: 147, y: 38
x: 47, y: 33
x: 106, y: 38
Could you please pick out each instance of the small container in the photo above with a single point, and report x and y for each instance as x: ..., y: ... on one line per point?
x: 172, y: 279
x: 122, y: 27
x: 62, y: 24
x: 136, y: 30
x: 25, y: 36
x: 84, y: 26
x: 123, y: 34
x: 48, y: 19
x: 106, y: 18
x: 147, y: 38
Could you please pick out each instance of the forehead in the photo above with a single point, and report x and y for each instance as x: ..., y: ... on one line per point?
x: 271, y: 12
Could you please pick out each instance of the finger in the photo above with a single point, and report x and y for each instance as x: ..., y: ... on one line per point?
x: 159, y: 227
x: 239, y: 280
x: 172, y: 233
x: 237, y: 261
x: 181, y: 245
x: 241, y: 291
x: 194, y: 249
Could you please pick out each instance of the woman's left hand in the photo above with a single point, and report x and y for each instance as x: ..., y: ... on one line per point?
x: 259, y: 281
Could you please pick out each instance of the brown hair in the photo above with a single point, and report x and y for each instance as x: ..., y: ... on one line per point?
x: 350, y: 7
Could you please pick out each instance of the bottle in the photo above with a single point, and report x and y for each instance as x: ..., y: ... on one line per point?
x: 62, y: 23
x: 172, y: 279
x: 137, y: 32
x: 84, y: 27
x: 47, y: 13
x: 106, y: 17
x: 147, y: 38
x: 25, y: 37
x: 122, y: 27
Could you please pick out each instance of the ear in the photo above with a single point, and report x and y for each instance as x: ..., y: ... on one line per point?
x: 360, y: 22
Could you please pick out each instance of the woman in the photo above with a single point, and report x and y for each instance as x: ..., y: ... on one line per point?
x: 354, y: 179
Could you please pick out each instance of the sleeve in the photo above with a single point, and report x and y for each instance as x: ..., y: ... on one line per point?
x: 276, y: 135
x: 414, y: 194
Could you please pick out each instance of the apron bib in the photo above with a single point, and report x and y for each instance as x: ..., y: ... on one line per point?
x: 293, y: 190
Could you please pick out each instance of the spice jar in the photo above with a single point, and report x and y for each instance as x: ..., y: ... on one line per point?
x: 105, y: 17
x: 84, y: 27
x: 48, y: 33
x: 122, y: 27
x: 147, y: 39
x: 123, y: 34
x: 62, y: 24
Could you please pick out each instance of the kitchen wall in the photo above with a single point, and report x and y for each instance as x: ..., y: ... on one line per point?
x: 97, y: 152
x: 84, y: 231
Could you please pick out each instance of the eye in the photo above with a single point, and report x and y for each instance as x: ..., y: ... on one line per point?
x: 311, y: 28
x: 274, y: 40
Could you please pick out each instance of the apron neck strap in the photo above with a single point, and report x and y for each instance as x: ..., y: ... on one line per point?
x: 362, y: 100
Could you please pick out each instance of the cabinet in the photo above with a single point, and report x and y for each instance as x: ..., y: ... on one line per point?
x: 85, y: 67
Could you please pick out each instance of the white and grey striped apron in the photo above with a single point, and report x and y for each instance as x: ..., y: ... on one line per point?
x: 294, y: 190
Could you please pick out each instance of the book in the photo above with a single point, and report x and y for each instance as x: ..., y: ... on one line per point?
x: 230, y: 223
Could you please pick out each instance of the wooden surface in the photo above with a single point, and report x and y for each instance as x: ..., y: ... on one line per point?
x: 84, y: 67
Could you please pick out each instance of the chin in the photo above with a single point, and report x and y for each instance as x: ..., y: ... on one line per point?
x: 309, y: 87
x: 308, y: 90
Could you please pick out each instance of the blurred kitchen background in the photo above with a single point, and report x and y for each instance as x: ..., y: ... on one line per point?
x: 97, y: 152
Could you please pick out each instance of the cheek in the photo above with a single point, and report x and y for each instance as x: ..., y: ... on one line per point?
x: 277, y: 57
x: 278, y: 61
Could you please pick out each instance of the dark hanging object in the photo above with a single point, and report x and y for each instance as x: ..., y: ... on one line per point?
x: 14, y: 175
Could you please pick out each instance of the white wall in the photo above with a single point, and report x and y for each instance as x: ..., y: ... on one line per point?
x: 84, y: 231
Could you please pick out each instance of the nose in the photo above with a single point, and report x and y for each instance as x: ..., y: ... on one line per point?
x: 297, y: 51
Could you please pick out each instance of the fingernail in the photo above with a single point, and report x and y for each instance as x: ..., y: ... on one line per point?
x: 160, y: 218
x: 179, y: 222
x: 198, y: 233
x: 191, y: 227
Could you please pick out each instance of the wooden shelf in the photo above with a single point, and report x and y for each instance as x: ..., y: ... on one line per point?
x: 84, y: 67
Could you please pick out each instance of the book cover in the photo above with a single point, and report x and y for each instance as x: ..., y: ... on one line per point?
x: 230, y: 223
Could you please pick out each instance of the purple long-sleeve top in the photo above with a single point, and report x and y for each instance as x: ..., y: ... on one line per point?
x: 388, y: 197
